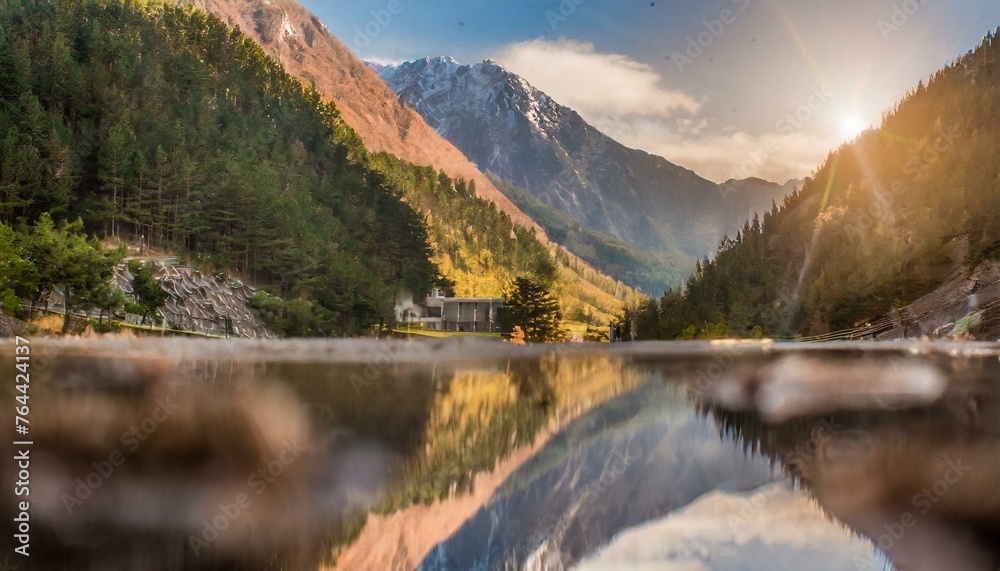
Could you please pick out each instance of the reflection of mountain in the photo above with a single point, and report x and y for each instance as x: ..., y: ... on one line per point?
x: 386, y: 428
x: 633, y: 460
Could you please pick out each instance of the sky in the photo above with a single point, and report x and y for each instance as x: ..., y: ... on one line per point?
x: 727, y: 88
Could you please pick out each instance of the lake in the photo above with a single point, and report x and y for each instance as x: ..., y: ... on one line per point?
x: 469, y: 454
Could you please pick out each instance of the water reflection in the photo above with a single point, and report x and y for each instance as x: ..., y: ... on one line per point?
x: 647, y: 457
x: 631, y: 460
x: 467, y: 455
x: 921, y: 481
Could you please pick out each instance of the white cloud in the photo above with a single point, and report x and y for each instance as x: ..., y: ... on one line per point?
x: 720, y: 156
x: 630, y: 102
x: 596, y: 85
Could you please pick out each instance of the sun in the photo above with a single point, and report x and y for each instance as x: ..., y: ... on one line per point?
x: 851, y: 126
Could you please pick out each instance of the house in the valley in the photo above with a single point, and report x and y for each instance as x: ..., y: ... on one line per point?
x: 438, y: 312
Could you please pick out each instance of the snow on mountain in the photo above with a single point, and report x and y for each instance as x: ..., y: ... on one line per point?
x: 505, y: 125
x: 298, y: 40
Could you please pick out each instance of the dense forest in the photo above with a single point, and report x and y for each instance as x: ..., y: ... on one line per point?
x: 883, y: 221
x: 159, y: 126
x: 481, y: 252
x: 478, y: 247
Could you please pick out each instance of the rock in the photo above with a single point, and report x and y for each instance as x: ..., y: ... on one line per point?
x: 9, y: 326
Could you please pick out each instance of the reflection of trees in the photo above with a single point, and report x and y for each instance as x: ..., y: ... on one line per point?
x: 447, y: 424
x: 481, y: 418
x: 532, y: 381
x: 630, y: 460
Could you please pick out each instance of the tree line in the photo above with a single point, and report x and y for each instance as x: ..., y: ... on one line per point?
x: 159, y: 126
x: 49, y: 258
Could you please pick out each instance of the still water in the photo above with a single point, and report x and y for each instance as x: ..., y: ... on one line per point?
x: 466, y: 454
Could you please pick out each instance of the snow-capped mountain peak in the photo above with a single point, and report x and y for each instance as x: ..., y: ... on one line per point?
x: 507, y: 126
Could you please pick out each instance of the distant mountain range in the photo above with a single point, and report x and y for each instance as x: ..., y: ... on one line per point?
x: 645, y: 220
x: 508, y: 127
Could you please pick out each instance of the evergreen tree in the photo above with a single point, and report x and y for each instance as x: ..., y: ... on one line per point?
x: 532, y: 305
x: 149, y: 294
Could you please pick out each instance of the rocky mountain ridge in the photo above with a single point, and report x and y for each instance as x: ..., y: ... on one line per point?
x: 508, y: 127
x: 298, y: 40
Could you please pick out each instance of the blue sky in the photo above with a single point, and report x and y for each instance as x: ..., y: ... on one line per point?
x: 729, y: 88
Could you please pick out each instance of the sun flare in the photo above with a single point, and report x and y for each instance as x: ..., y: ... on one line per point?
x: 851, y: 126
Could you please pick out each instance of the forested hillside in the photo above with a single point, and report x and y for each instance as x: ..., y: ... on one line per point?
x: 885, y: 220
x: 477, y: 245
x: 161, y: 124
x: 300, y: 42
x: 480, y: 250
x: 469, y: 244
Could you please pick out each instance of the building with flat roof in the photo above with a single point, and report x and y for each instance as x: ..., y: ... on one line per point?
x: 440, y: 313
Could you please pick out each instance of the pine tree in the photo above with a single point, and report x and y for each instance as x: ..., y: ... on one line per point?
x: 149, y: 295
x: 532, y: 305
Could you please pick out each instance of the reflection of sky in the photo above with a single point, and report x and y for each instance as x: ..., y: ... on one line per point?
x: 724, y: 532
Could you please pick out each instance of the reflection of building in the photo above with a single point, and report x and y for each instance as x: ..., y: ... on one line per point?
x: 440, y: 313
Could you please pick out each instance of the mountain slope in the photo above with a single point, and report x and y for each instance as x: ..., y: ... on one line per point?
x: 293, y: 36
x: 160, y: 125
x: 304, y: 46
x: 753, y: 195
x: 508, y: 127
x: 652, y: 272
x: 903, y: 211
